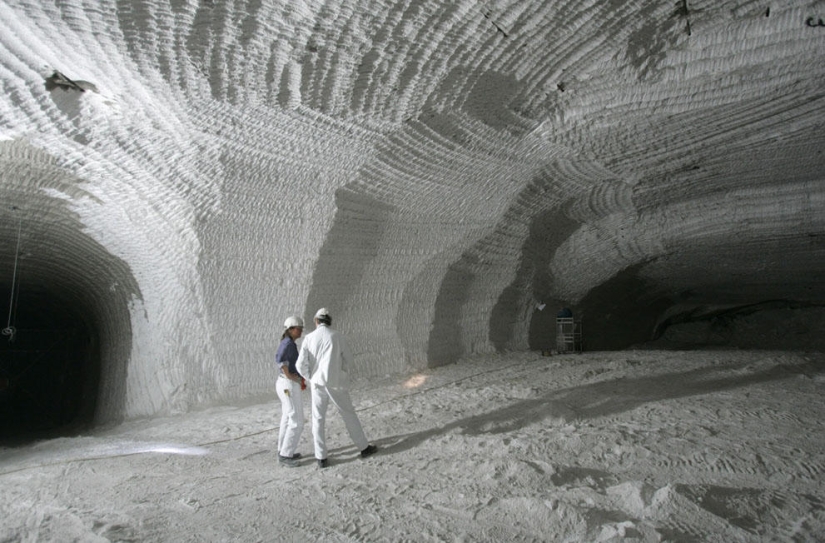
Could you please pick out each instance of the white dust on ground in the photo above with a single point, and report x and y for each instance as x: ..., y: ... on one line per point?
x: 626, y: 446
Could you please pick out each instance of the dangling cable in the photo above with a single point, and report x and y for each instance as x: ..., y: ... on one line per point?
x: 10, y: 330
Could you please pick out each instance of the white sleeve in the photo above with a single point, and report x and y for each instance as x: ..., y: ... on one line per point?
x: 346, y: 355
x: 304, y: 363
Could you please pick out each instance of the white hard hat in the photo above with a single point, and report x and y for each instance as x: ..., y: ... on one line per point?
x: 293, y: 322
x: 323, y: 312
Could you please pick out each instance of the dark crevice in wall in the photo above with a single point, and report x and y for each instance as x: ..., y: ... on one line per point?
x: 702, y: 313
x: 771, y: 324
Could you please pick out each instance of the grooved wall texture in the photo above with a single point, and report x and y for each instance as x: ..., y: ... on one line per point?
x: 185, y: 174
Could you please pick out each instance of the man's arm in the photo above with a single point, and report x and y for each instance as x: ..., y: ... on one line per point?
x: 289, y: 375
x: 346, y: 354
x: 304, y: 363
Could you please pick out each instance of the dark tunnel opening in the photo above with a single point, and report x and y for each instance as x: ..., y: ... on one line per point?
x: 622, y: 312
x: 631, y: 312
x: 49, y: 367
x: 783, y: 324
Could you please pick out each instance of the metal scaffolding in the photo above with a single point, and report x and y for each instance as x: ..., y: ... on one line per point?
x: 568, y: 335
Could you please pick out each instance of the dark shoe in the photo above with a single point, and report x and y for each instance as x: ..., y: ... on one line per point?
x: 296, y: 456
x: 287, y: 461
x: 368, y: 451
x: 323, y: 463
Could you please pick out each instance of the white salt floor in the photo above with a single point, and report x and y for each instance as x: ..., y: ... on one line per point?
x: 625, y: 446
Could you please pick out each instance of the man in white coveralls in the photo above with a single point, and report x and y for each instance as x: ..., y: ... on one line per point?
x: 323, y: 362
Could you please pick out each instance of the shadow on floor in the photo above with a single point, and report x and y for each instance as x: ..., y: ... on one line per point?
x: 606, y: 398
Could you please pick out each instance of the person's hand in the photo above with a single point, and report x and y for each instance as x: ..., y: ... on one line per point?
x: 303, y: 384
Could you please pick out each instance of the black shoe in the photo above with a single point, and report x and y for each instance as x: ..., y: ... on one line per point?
x: 323, y: 463
x: 287, y: 461
x: 368, y: 451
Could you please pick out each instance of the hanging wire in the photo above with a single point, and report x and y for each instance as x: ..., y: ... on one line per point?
x: 10, y: 330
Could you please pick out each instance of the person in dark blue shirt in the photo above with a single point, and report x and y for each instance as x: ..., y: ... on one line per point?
x: 289, y: 386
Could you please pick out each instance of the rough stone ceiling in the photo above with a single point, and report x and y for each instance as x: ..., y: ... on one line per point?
x: 428, y: 170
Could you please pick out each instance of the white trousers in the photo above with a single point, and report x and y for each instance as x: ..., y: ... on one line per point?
x: 292, y: 415
x: 321, y: 397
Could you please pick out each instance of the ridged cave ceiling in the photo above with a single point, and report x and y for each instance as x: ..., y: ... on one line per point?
x: 181, y: 175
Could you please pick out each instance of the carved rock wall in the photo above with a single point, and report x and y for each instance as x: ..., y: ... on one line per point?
x: 428, y: 170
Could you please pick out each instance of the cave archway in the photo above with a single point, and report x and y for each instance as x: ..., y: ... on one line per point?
x: 68, y: 299
x: 64, y: 367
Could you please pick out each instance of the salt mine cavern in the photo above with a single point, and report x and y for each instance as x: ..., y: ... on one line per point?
x: 177, y: 176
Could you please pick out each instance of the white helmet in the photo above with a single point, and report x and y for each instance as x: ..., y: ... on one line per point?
x: 294, y: 322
